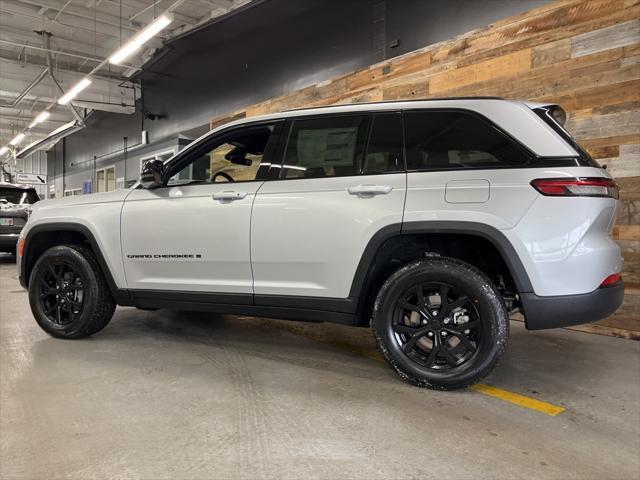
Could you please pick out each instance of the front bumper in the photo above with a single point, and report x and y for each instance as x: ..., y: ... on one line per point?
x: 566, y: 310
x: 8, y: 241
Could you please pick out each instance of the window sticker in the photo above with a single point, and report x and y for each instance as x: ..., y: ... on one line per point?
x: 334, y: 146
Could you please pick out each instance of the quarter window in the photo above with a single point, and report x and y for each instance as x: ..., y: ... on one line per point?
x: 437, y: 140
x: 325, y: 147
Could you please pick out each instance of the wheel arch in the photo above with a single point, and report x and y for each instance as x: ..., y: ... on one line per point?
x: 43, y: 236
x: 397, y: 235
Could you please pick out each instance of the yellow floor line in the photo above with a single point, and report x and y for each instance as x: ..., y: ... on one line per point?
x: 504, y: 395
x: 517, y: 399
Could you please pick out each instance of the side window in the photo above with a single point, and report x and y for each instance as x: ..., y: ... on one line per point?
x: 384, y: 152
x: 234, y: 157
x: 325, y: 147
x: 436, y: 140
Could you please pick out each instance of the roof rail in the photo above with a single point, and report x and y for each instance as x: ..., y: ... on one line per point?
x: 393, y: 101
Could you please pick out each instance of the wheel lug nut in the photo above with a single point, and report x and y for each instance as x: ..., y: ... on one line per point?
x: 444, y: 334
x: 430, y: 334
x: 467, y: 331
x: 447, y: 320
x: 434, y: 312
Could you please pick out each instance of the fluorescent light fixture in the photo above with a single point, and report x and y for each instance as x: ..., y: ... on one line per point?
x: 4, y: 150
x: 75, y: 90
x: 140, y: 38
x: 51, y: 139
x: 17, y: 139
x: 40, y: 118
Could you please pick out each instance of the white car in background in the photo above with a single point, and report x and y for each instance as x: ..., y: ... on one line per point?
x: 430, y: 221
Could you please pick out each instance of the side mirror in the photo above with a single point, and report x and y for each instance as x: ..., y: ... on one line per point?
x: 151, y: 174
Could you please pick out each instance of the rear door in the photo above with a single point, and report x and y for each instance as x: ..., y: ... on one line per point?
x: 342, y: 180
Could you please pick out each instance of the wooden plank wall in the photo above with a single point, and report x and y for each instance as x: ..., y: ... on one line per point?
x: 582, y: 54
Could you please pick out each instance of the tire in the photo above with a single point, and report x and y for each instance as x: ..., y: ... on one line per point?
x: 86, y: 303
x: 469, y: 333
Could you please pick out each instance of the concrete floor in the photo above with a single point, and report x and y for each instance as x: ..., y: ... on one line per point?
x: 178, y: 395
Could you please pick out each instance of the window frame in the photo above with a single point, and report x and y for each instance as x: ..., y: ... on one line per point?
x: 72, y: 192
x: 185, y: 157
x: 104, y: 169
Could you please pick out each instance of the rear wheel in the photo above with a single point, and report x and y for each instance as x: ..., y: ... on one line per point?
x: 68, y: 294
x: 440, y: 323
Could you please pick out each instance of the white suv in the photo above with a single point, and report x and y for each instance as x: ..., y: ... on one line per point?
x: 431, y: 221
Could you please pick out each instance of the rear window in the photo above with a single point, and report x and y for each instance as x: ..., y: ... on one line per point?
x: 18, y: 196
x: 437, y: 140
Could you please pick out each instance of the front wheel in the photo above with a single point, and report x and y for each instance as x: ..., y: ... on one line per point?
x: 68, y: 294
x: 440, y: 323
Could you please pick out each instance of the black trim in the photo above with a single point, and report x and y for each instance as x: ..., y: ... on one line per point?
x: 337, y: 305
x: 565, y: 310
x: 315, y: 309
x: 366, y: 260
x: 121, y: 296
x: 493, y: 235
x: 190, y: 296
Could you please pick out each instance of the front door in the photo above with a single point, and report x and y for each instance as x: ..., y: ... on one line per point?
x: 192, y: 234
x: 342, y: 180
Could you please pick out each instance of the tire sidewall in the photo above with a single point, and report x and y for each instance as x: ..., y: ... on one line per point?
x: 91, y: 293
x: 470, y: 282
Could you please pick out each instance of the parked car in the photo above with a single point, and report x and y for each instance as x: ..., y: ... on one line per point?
x: 429, y: 221
x: 15, y: 204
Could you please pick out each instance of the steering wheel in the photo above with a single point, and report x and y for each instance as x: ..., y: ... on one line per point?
x: 222, y: 174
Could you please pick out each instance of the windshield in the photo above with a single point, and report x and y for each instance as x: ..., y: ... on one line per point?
x: 18, y: 196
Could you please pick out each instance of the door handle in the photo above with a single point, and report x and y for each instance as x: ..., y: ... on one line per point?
x: 229, y: 195
x: 368, y: 190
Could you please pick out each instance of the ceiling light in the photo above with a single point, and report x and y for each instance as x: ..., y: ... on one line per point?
x: 75, y: 90
x: 40, y: 118
x: 17, y: 139
x: 140, y: 38
x: 4, y: 150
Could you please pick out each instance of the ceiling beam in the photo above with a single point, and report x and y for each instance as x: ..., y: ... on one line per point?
x: 78, y: 24
x: 64, y: 8
x: 60, y: 52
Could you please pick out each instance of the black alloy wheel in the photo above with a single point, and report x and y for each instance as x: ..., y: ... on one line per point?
x: 440, y: 323
x: 437, y: 325
x: 61, y: 294
x: 68, y: 294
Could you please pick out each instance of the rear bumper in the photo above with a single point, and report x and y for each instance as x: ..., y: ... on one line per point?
x: 566, y: 310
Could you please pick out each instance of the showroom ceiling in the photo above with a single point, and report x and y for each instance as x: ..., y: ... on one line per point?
x: 73, y: 37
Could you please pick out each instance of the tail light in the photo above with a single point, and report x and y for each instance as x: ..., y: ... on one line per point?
x: 576, y: 187
x: 611, y: 280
